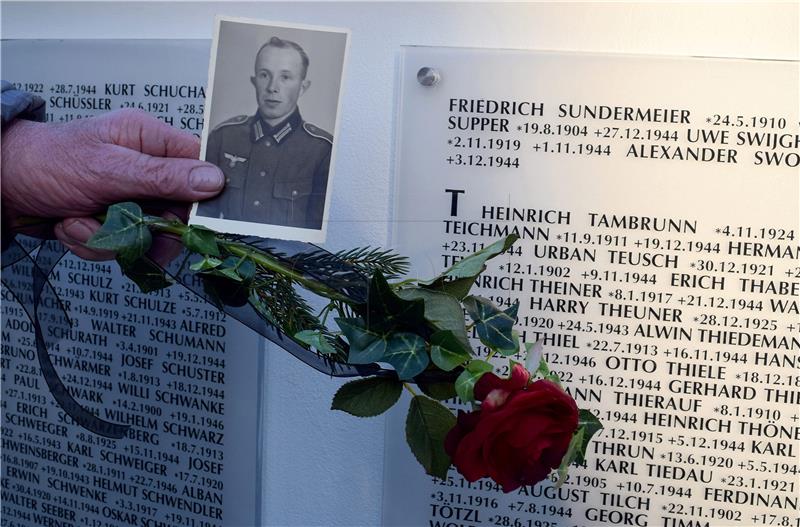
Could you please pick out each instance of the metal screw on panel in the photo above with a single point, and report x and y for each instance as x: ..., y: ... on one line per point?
x: 428, y: 76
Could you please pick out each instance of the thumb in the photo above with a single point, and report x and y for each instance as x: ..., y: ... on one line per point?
x: 137, y: 175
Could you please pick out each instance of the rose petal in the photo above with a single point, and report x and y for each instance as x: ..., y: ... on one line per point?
x: 489, y: 381
x: 465, y: 423
x: 506, y: 467
x: 469, y: 458
x: 495, y: 399
x: 519, y: 377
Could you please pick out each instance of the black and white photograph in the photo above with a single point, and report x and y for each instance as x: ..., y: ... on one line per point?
x: 270, y: 123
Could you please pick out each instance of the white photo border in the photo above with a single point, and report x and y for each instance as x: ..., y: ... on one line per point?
x: 265, y: 230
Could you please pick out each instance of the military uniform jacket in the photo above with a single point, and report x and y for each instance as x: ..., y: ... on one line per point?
x: 276, y: 175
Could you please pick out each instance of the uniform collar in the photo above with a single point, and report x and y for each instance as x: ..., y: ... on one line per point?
x: 260, y: 129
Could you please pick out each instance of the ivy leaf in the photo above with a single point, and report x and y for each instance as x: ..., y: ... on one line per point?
x: 441, y: 310
x: 406, y: 352
x: 512, y: 310
x: 465, y: 383
x: 387, y: 311
x: 494, y: 327
x: 206, y: 264
x: 235, y: 268
x: 427, y: 424
x: 457, y: 288
x: 458, y: 279
x: 447, y: 352
x: 515, y: 339
x: 229, y: 273
x: 246, y: 269
x: 200, y: 240
x: 367, y: 397
x: 147, y: 275
x: 473, y: 265
x: 588, y: 426
x: 441, y: 391
x: 124, y: 232
x: 359, y: 338
x: 317, y: 340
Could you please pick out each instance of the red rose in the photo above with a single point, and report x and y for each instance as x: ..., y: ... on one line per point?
x: 521, y: 432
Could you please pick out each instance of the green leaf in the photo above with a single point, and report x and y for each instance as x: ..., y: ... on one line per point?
x: 246, y: 269
x: 124, y: 232
x: 512, y: 310
x: 473, y: 265
x: 588, y: 426
x: 427, y: 425
x: 147, y: 275
x: 206, y: 264
x: 457, y: 288
x: 367, y: 397
x: 229, y: 273
x: 515, y: 339
x: 465, y: 383
x: 387, y: 311
x: 441, y: 310
x: 359, y: 338
x: 229, y: 268
x: 566, y: 461
x: 494, y: 327
x: 447, y: 352
x: 316, y: 339
x: 441, y: 391
x: 200, y: 240
x: 406, y: 352
x: 235, y: 268
x: 458, y: 279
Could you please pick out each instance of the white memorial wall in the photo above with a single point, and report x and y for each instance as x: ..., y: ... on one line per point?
x: 656, y: 201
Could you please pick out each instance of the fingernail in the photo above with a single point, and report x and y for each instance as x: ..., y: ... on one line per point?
x: 78, y: 231
x: 206, y: 179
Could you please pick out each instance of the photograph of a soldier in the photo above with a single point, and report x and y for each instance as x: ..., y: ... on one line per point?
x: 272, y: 112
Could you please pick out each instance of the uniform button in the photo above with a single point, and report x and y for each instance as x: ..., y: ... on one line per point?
x: 227, y: 180
x: 294, y: 193
x: 256, y: 203
x: 263, y: 173
x: 268, y: 143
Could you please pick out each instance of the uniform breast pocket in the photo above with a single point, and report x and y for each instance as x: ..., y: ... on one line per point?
x: 293, y: 189
x: 290, y: 201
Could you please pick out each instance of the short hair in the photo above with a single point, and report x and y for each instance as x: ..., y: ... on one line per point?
x: 276, y: 42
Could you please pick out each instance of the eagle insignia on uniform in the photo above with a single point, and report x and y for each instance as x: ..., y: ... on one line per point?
x: 232, y: 159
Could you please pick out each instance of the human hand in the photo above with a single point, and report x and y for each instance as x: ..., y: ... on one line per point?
x: 72, y: 171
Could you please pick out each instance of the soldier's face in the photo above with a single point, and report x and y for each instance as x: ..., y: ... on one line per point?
x: 278, y: 82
